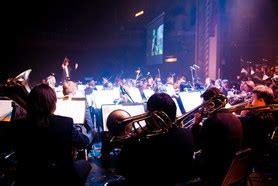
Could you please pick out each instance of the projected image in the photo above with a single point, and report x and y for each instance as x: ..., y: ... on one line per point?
x: 154, y: 45
x: 157, y: 41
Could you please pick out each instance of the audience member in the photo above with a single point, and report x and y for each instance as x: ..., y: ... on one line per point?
x: 45, y: 144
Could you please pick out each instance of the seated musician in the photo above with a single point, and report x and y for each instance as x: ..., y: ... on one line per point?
x: 44, y: 144
x: 258, y: 124
x: 162, y: 159
x: 217, y: 139
x: 69, y: 91
x: 274, y: 82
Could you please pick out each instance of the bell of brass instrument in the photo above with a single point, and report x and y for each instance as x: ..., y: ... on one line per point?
x: 206, y: 108
x: 17, y: 88
x: 123, y: 126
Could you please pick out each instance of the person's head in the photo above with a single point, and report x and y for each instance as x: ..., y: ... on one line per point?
x: 170, y: 80
x: 92, y: 83
x: 66, y: 61
x: 114, y: 125
x: 41, y: 101
x: 69, y: 88
x: 225, y: 83
x: 210, y: 93
x: 207, y: 81
x: 247, y: 86
x: 262, y: 95
x: 162, y: 102
x: 214, y: 97
x: 218, y: 83
x: 51, y: 81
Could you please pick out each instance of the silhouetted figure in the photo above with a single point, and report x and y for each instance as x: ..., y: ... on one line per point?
x: 45, y: 144
x: 67, y: 71
x: 258, y: 125
x: 218, y: 139
x: 162, y: 159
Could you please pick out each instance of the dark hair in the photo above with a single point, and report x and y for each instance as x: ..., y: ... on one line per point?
x: 162, y: 102
x: 210, y: 93
x: 41, y: 103
x: 264, y: 92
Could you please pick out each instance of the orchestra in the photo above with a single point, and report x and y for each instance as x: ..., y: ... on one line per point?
x: 237, y: 97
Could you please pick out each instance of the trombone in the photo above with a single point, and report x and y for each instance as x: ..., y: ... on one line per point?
x: 208, y: 107
x: 123, y: 126
x: 266, y: 108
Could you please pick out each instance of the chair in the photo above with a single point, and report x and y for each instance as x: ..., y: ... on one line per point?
x: 239, y: 169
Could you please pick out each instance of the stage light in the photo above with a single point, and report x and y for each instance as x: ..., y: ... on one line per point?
x: 170, y: 59
x: 139, y: 13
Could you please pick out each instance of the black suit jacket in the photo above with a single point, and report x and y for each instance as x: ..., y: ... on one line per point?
x: 44, y: 155
x: 219, y: 139
x: 165, y: 159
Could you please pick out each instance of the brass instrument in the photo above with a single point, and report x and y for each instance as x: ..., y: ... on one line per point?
x: 237, y: 99
x: 18, y: 88
x: 266, y: 108
x: 206, y: 108
x: 123, y: 126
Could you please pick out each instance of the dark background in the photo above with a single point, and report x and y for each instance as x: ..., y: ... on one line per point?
x: 105, y: 38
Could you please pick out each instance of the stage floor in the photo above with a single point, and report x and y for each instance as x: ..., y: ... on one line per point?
x: 99, y: 176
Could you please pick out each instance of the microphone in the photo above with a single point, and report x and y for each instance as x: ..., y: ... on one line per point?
x: 196, y: 66
x: 192, y: 68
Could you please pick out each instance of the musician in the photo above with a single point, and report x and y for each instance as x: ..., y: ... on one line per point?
x: 209, y: 83
x: 274, y: 82
x: 225, y: 87
x: 217, y: 139
x: 69, y: 88
x: 163, y: 159
x: 44, y: 144
x: 67, y: 70
x: 257, y: 75
x: 51, y: 80
x: 169, y: 86
x: 69, y: 91
x: 218, y: 83
x: 91, y: 112
x: 258, y: 125
x: 107, y: 85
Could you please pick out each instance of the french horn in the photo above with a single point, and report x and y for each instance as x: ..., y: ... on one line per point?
x: 18, y: 88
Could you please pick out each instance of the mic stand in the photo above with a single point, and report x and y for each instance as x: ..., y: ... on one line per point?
x: 125, y: 92
x: 192, y: 76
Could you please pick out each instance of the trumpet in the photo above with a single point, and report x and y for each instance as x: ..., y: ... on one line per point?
x: 207, y: 108
x: 123, y: 126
